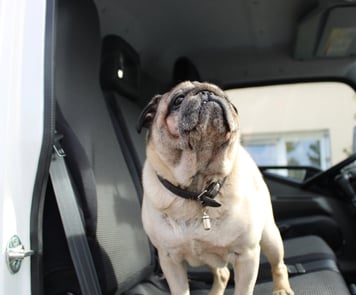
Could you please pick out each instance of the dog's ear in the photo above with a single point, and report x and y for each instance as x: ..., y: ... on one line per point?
x: 148, y: 113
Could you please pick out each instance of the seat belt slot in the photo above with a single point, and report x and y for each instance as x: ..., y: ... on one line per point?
x: 297, y: 268
x: 57, y: 145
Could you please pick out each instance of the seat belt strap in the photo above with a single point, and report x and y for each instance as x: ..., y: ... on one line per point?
x: 72, y: 222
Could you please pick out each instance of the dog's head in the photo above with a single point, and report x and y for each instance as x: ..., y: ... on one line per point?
x: 192, y: 117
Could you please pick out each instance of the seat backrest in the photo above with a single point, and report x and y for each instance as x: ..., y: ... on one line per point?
x: 131, y: 112
x: 110, y: 204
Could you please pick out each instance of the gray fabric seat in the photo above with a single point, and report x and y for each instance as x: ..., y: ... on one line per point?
x: 107, y: 196
x: 318, y: 283
x: 122, y: 253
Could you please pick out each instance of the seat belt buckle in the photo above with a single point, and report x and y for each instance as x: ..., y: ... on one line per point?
x: 295, y: 269
x: 57, y: 147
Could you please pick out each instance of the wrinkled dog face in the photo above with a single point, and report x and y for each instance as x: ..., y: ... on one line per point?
x: 191, y: 116
x: 193, y: 129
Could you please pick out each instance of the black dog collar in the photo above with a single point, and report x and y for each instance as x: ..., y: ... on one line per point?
x: 206, y: 197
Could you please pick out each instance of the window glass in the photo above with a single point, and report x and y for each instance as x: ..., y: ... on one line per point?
x: 304, y: 124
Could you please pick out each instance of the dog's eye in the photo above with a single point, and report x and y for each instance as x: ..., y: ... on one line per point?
x: 178, y: 101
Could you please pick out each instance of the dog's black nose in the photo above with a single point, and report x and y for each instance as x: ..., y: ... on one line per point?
x: 205, y: 95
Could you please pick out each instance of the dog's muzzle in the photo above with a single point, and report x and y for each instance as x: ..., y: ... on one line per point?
x: 203, y: 108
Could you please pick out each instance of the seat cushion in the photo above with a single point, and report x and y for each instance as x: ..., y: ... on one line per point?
x: 306, y: 248
x: 317, y: 283
x: 301, y: 250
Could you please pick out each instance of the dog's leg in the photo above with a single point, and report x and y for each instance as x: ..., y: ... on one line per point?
x: 175, y: 273
x: 246, y: 269
x: 272, y: 247
x: 221, y: 277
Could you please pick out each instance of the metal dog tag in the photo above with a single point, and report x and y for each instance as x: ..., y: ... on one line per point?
x: 206, y: 221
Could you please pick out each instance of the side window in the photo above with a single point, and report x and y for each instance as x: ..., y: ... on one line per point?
x: 304, y: 124
x: 290, y: 149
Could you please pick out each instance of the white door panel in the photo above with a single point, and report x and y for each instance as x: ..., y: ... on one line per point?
x: 22, y: 27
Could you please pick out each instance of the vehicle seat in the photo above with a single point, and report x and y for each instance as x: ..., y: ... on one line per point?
x: 107, y: 196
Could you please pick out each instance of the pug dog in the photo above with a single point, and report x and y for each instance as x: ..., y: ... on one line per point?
x: 205, y: 201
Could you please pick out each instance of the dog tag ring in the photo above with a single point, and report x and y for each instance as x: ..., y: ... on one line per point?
x: 206, y: 221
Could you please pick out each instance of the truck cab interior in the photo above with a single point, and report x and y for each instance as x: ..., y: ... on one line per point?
x: 105, y: 59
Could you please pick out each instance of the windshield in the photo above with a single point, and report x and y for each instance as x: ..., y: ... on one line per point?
x: 304, y: 124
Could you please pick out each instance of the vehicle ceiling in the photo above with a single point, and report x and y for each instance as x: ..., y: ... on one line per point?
x: 230, y: 42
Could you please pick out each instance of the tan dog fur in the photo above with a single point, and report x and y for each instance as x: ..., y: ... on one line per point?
x: 192, y: 155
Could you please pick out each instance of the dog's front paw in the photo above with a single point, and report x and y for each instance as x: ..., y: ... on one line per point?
x: 283, y: 292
